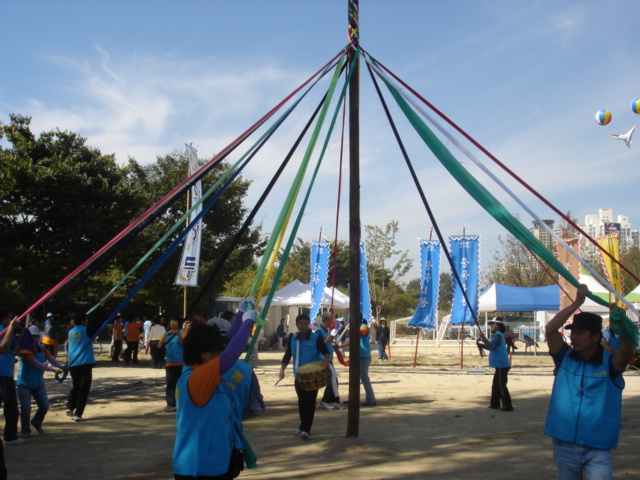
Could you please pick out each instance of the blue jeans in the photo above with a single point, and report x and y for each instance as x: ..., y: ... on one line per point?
x: 366, y: 383
x: 40, y: 396
x: 571, y: 460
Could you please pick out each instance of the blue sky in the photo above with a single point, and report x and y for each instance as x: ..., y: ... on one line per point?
x: 524, y: 78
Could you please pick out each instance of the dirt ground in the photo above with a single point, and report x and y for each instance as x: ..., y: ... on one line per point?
x: 431, y: 422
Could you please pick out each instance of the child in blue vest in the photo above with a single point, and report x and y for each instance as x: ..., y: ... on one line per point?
x: 81, y: 363
x: 30, y: 379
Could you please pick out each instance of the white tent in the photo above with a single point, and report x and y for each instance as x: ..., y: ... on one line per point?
x: 292, y: 299
x: 298, y: 294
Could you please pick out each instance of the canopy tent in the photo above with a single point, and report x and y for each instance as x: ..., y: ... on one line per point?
x: 507, y: 298
x: 634, y: 295
x: 298, y: 294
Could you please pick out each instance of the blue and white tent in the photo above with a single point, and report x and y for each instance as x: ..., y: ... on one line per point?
x: 507, y: 298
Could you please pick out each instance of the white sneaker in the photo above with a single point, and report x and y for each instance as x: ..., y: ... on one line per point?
x: 326, y: 406
x: 170, y: 408
x: 304, y: 435
x: 19, y: 441
x: 78, y: 418
x: 297, y: 433
x: 337, y: 406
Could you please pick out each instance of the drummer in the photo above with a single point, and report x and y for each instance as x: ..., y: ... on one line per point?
x: 305, y: 347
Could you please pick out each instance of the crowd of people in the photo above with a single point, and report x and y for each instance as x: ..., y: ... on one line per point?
x: 212, y: 391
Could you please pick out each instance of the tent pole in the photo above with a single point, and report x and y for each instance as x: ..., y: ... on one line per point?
x: 415, y: 354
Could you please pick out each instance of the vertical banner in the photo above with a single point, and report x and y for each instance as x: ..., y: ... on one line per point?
x: 425, y: 314
x: 188, y: 268
x: 365, y: 299
x: 465, y: 252
x: 571, y: 263
x: 611, y: 243
x: 319, y: 271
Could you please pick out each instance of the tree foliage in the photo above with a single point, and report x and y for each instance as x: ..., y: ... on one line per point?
x: 62, y: 200
x: 513, y: 264
x: 380, y: 247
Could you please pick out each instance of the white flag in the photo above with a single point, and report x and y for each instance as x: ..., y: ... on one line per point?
x: 188, y: 268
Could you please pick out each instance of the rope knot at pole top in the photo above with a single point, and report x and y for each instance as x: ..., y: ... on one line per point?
x: 354, y: 28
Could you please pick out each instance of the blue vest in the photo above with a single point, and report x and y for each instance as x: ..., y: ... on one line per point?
x: 205, y: 435
x: 7, y: 361
x: 498, y: 357
x: 308, y: 351
x: 80, y: 348
x: 586, y: 403
x: 365, y: 346
x: 173, y: 348
x: 329, y: 345
x: 30, y: 376
x: 238, y: 379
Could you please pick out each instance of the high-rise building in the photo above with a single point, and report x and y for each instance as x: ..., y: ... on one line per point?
x: 543, y: 234
x: 604, y: 224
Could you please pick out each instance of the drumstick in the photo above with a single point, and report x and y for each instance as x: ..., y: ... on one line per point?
x: 277, y: 382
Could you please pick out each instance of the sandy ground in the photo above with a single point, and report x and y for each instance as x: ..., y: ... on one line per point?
x: 431, y: 422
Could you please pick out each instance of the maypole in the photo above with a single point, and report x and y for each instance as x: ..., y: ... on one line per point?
x: 354, y: 224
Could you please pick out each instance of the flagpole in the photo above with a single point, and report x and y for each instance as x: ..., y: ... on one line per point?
x: 184, y: 287
x: 353, y: 418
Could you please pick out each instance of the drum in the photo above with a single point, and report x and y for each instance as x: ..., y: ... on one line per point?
x: 313, y: 376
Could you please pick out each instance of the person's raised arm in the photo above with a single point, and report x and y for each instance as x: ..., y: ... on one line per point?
x: 5, y: 345
x: 555, y: 341
x: 622, y: 358
x: 237, y: 343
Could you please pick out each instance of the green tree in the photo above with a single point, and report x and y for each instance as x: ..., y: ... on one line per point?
x: 631, y: 260
x: 380, y: 247
x: 220, y: 226
x: 513, y: 264
x: 445, y: 297
x: 60, y: 201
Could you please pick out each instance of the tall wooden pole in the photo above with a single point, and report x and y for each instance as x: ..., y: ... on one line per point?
x: 355, y: 316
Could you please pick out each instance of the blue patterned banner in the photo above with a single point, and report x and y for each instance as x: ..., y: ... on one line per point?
x: 425, y: 315
x: 365, y: 299
x: 319, y: 271
x: 465, y: 252
x: 190, y: 260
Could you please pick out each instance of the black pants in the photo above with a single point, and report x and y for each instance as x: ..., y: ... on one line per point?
x: 156, y: 354
x: 499, y: 390
x: 10, y: 404
x: 306, y: 406
x: 132, y: 348
x: 329, y: 395
x: 117, y: 348
x: 82, y: 375
x: 172, y: 375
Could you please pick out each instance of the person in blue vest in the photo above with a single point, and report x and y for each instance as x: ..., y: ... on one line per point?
x: 33, y: 355
x: 498, y: 359
x: 7, y: 381
x: 171, y: 342
x: 365, y: 363
x: 81, y: 363
x: 305, y: 347
x: 586, y: 401
x: 331, y: 396
x: 209, y: 435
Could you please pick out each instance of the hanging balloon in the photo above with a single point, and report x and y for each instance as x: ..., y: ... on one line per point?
x: 635, y: 106
x: 603, y: 117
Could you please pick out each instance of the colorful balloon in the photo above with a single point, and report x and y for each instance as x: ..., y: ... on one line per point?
x: 635, y: 106
x: 603, y: 117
